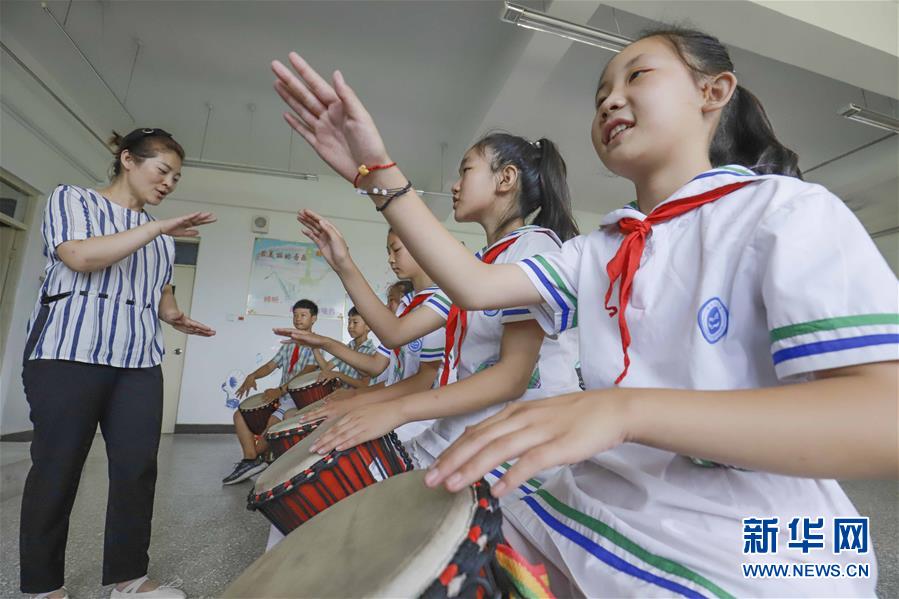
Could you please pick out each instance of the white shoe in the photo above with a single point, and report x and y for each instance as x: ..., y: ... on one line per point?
x: 168, y: 590
x: 65, y: 594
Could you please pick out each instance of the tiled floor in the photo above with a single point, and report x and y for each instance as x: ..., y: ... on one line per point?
x: 203, y: 533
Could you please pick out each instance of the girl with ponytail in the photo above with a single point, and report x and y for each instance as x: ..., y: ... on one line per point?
x: 738, y: 334
x: 498, y: 355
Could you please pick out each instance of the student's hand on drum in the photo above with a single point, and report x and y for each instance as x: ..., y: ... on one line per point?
x: 302, y: 337
x: 181, y: 322
x: 329, y: 116
x: 341, y: 394
x: 327, y: 376
x: 541, y: 433
x: 329, y: 240
x: 244, y: 389
x: 361, y: 424
x: 271, y: 394
x: 183, y: 226
x: 331, y: 409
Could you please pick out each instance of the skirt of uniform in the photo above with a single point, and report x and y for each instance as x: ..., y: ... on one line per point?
x: 641, y: 522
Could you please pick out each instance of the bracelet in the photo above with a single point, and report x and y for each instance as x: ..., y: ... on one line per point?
x: 364, y: 170
x: 402, y: 191
x: 379, y: 191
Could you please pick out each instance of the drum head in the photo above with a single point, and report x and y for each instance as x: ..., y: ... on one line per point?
x: 303, y: 380
x: 293, y: 461
x: 255, y: 401
x: 294, y: 421
x: 391, y: 539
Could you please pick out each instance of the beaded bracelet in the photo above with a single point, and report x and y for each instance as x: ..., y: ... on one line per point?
x: 402, y: 191
x: 393, y: 192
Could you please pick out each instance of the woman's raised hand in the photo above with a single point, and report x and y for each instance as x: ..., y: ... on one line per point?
x: 185, y: 226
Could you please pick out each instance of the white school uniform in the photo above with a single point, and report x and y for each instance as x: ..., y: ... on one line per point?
x: 554, y: 373
x: 762, y: 287
x: 428, y: 348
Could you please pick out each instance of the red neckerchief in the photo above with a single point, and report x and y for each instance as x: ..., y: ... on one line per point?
x: 458, y: 318
x: 294, y: 358
x: 627, y: 260
x: 416, y: 302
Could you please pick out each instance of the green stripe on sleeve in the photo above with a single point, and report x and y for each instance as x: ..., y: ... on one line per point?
x: 831, y: 324
x: 560, y: 284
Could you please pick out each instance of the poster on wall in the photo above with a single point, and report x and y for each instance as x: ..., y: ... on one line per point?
x: 286, y: 271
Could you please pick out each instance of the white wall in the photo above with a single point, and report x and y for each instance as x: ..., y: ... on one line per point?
x: 28, y: 119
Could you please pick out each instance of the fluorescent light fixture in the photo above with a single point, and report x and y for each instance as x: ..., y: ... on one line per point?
x: 436, y: 194
x: 538, y: 21
x: 869, y: 117
x: 247, y: 168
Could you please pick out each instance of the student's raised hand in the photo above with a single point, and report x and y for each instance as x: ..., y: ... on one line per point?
x: 359, y: 425
x: 329, y: 116
x: 307, y: 338
x: 541, y: 433
x: 183, y: 226
x: 329, y: 240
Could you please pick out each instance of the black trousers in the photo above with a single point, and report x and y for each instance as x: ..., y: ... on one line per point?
x: 68, y: 400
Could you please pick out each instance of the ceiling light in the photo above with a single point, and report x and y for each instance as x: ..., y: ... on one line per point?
x: 247, y: 168
x: 869, y: 117
x: 538, y: 21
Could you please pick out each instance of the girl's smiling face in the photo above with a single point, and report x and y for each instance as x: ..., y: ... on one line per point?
x: 649, y: 106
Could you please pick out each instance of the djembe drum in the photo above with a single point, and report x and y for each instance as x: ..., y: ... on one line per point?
x: 300, y: 484
x: 397, y: 538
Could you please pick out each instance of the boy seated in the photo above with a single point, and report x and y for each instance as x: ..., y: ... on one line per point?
x: 337, y: 368
x: 293, y: 359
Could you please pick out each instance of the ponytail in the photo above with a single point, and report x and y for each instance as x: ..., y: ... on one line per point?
x: 543, y: 184
x: 744, y: 135
x: 555, y: 209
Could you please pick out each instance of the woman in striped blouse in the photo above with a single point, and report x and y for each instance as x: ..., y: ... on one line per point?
x: 96, y: 329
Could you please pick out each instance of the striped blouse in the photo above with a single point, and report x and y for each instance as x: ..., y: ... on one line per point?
x: 110, y: 316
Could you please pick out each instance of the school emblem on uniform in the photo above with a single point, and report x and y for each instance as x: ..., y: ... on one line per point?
x: 713, y: 320
x: 415, y: 345
x: 491, y: 312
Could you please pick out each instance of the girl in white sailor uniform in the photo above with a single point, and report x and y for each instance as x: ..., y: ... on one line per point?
x: 739, y: 318
x: 93, y: 358
x: 503, y: 355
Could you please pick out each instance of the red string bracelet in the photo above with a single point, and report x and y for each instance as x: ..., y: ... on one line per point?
x: 364, y: 170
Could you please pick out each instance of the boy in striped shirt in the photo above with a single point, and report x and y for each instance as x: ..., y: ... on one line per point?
x: 349, y: 376
x: 293, y: 360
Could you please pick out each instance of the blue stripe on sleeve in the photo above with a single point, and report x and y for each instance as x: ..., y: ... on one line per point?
x: 552, y: 291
